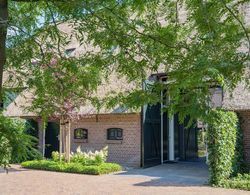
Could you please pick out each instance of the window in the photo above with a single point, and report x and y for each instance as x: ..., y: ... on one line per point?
x: 114, y: 134
x: 80, y: 133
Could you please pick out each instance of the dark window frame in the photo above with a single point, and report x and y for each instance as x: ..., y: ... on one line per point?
x: 84, y: 134
x: 114, y: 134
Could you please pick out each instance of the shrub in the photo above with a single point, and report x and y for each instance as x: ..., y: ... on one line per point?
x: 15, y: 145
x: 221, y: 135
x: 90, y: 158
x: 50, y: 165
x: 241, y: 181
x: 56, y: 156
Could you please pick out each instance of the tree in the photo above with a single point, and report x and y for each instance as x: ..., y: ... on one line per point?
x: 3, y: 34
x: 60, y: 92
x: 21, y: 17
x: 196, y: 43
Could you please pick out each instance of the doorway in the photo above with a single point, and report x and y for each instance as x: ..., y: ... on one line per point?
x: 157, y: 146
x: 51, y: 138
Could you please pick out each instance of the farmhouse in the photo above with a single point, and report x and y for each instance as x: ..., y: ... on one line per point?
x: 134, y: 138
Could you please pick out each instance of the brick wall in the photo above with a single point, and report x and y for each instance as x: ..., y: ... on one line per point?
x: 245, y: 125
x: 127, y: 152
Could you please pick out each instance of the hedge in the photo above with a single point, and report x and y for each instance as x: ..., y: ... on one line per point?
x: 222, y: 145
x: 242, y: 181
x: 49, y: 165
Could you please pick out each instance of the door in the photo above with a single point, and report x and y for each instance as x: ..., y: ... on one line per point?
x: 51, y: 138
x: 186, y: 144
x: 152, y: 135
x: 165, y: 136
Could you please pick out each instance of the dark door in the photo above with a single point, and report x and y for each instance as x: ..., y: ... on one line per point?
x: 152, y: 136
x: 191, y: 143
x: 51, y: 138
x: 165, y: 136
x: 186, y: 145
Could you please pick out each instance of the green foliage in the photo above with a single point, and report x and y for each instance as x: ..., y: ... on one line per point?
x: 56, y: 156
x: 223, y: 159
x: 90, y: 158
x: 239, y: 165
x: 241, y: 181
x: 15, y: 145
x: 134, y: 38
x: 194, y: 53
x: 48, y: 165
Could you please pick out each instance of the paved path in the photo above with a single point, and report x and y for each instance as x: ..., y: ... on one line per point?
x: 166, y: 179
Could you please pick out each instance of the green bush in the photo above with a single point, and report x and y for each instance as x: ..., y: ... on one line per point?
x: 15, y: 145
x: 50, y: 165
x: 90, y: 158
x: 221, y: 137
x: 56, y: 156
x: 242, y: 181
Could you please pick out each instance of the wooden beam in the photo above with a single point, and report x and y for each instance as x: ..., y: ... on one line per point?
x: 41, y: 136
x: 67, y: 132
x: 69, y: 139
x: 60, y: 139
x: 44, y: 133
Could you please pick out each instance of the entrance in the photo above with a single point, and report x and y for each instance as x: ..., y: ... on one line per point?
x: 164, y: 138
x: 160, y: 144
x: 51, y: 138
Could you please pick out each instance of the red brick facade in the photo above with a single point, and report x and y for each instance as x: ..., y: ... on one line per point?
x: 245, y: 125
x: 126, y: 152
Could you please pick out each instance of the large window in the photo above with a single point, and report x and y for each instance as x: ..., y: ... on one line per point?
x: 114, y: 134
x: 81, y: 134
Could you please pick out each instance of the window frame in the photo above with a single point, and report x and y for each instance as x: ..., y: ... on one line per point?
x: 85, y: 135
x: 116, y: 131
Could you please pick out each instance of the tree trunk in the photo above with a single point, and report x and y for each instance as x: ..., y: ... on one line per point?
x: 67, y: 135
x: 3, y: 34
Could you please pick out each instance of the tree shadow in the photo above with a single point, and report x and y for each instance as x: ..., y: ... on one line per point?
x: 13, y: 168
x: 179, y: 174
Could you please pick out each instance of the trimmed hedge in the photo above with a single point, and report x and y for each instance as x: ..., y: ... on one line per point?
x: 222, y: 143
x: 49, y: 165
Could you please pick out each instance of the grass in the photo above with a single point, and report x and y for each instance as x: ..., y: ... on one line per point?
x: 49, y: 165
x: 242, y: 182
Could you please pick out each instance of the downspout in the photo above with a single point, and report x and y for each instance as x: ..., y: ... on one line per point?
x: 143, y: 111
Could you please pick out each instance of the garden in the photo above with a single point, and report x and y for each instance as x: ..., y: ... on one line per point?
x: 80, y: 162
x: 18, y: 146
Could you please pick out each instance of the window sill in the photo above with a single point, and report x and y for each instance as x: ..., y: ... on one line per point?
x: 114, y: 141
x: 80, y: 141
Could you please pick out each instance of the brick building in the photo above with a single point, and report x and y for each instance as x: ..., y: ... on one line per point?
x: 134, y: 138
